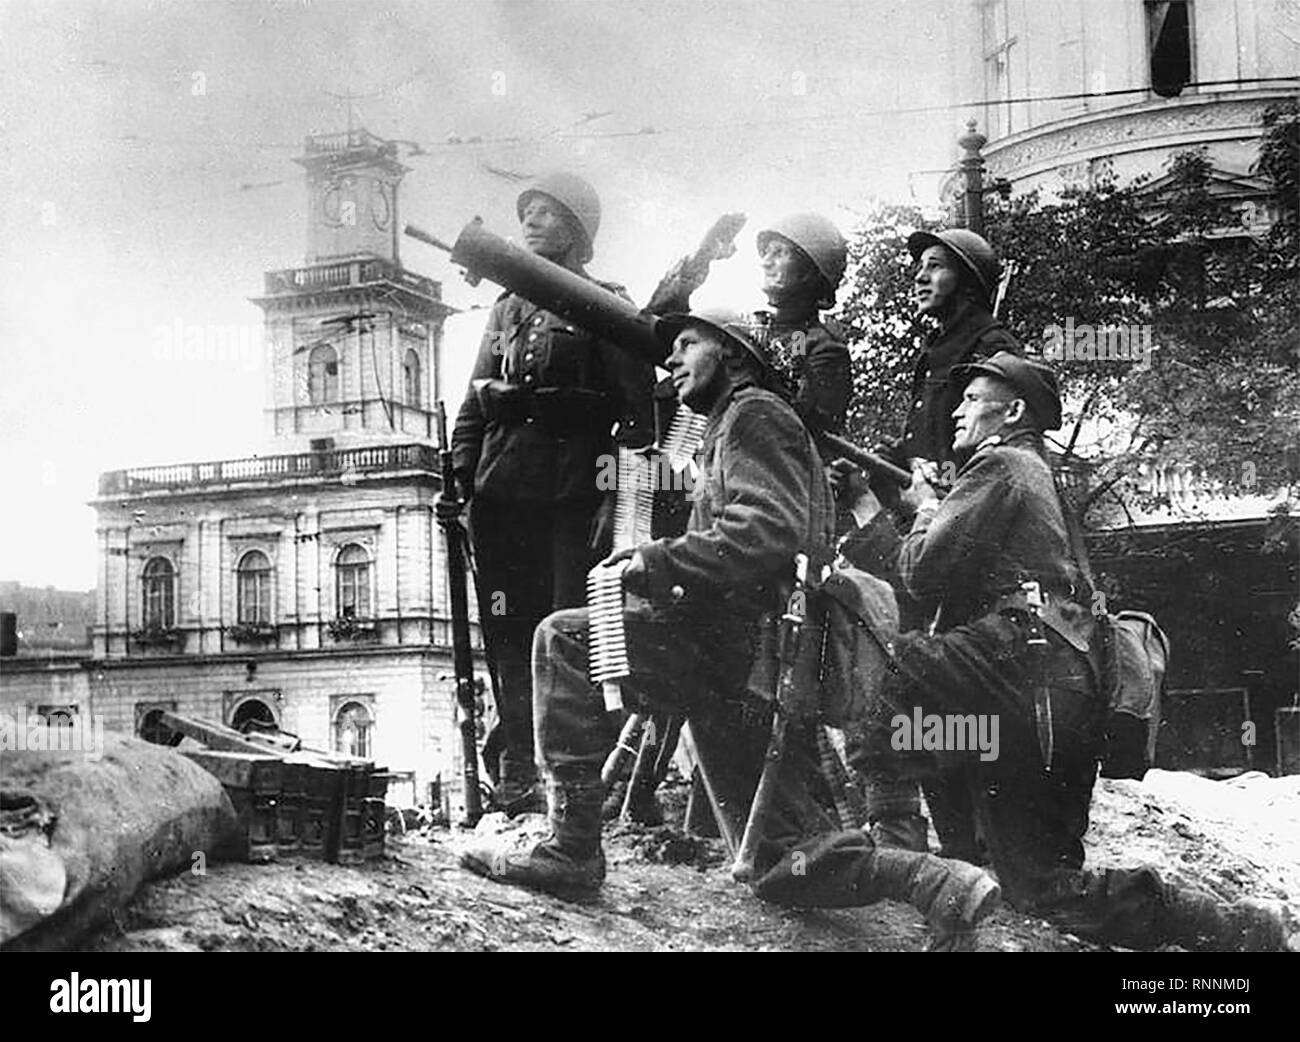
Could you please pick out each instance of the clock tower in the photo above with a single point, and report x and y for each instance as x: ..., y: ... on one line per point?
x: 352, y: 181
x: 354, y: 337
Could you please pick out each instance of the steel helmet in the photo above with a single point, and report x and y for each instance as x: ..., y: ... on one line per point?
x: 573, y: 193
x: 817, y: 237
x: 734, y: 325
x: 973, y: 251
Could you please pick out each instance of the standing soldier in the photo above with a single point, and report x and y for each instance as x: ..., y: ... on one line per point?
x: 956, y: 277
x: 803, y: 257
x: 537, y: 418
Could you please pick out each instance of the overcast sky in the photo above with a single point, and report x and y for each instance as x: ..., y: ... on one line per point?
x: 145, y: 153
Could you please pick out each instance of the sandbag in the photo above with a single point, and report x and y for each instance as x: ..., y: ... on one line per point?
x: 79, y: 835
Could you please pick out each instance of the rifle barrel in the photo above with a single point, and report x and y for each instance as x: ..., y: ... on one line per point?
x: 863, y: 458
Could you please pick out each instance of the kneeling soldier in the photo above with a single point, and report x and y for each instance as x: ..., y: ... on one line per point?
x: 692, y: 626
x: 1030, y: 660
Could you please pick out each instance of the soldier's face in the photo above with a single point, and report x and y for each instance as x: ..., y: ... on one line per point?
x: 981, y: 413
x: 935, y: 287
x: 698, y: 367
x: 786, y: 270
x: 547, y: 228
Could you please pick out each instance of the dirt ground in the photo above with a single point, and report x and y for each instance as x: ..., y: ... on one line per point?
x: 1236, y: 838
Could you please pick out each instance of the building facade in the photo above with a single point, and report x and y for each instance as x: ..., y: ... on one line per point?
x: 1073, y: 92
x: 306, y: 586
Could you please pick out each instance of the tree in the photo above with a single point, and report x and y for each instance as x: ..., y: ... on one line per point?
x: 1220, y: 304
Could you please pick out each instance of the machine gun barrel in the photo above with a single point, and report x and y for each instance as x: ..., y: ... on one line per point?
x: 548, y: 285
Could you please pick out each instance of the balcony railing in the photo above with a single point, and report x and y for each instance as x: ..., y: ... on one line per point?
x: 346, y: 141
x: 329, y: 463
x: 341, y: 274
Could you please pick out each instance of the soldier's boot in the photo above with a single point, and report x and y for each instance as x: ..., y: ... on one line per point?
x: 569, y: 862
x: 954, y: 896
x: 894, y: 814
x: 1200, y: 921
x: 518, y: 791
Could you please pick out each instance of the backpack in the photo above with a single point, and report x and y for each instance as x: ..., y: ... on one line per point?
x: 1134, y: 660
x: 1135, y: 657
x: 843, y: 654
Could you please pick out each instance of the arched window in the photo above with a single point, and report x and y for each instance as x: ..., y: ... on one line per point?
x: 352, y: 727
x: 353, y: 583
x: 252, y: 715
x: 159, y: 593
x: 253, y: 588
x: 411, y: 373
x: 323, y: 374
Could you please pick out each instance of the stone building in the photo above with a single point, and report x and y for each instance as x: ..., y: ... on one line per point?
x: 1121, y: 86
x: 1072, y: 93
x: 305, y: 586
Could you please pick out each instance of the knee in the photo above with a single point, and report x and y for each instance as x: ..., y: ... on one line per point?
x: 568, y: 625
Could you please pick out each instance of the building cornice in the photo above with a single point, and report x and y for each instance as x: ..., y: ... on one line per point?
x: 1147, y: 126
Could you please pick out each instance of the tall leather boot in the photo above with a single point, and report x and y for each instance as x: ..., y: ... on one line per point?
x: 1200, y: 921
x: 569, y: 862
x: 954, y: 896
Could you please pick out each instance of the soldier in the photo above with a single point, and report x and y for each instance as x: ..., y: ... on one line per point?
x: 693, y: 624
x: 803, y: 257
x: 536, y: 421
x: 956, y: 277
x: 1033, y: 669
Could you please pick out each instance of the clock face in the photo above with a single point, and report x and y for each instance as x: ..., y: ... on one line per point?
x: 338, y: 204
x: 381, y: 206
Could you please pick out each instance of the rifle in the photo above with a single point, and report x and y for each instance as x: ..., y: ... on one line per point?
x: 742, y: 870
x: 447, y: 506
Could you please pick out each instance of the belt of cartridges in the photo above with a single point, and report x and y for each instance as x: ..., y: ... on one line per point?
x: 640, y: 477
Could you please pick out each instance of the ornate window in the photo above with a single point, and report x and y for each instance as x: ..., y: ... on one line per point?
x: 158, y: 582
x: 253, y: 589
x: 323, y: 374
x: 352, y: 588
x: 411, y: 375
x: 352, y: 729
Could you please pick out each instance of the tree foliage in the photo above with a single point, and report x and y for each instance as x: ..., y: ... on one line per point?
x: 1221, y: 299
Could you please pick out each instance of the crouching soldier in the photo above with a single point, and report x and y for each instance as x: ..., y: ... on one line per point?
x: 1012, y: 643
x: 692, y: 621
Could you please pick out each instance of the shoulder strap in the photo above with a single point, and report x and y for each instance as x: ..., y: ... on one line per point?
x: 1075, y: 535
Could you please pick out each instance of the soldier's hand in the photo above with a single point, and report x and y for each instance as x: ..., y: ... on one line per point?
x: 618, y: 555
x: 847, y: 481
x: 635, y: 578
x: 447, y: 508
x: 920, y: 492
x: 719, y: 242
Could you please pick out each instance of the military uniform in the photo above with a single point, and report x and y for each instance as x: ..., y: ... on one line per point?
x: 529, y: 441
x: 808, y: 354
x: 970, y: 335
x: 999, y: 526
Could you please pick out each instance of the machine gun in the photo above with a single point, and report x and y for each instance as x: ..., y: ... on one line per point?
x: 589, y: 305
x: 447, y: 507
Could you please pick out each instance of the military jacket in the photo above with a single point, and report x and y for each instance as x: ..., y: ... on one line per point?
x: 972, y: 335
x: 538, y: 432
x: 813, y: 363
x: 760, y: 497
x: 999, y: 526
